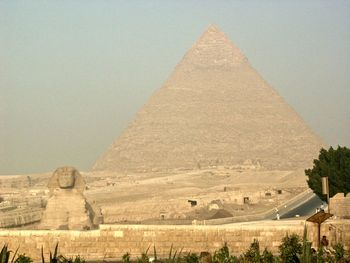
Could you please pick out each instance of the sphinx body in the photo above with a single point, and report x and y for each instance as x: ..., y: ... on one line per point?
x: 66, y: 207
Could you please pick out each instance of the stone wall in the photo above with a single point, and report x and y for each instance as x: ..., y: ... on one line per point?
x: 340, y: 205
x: 112, y: 241
x: 20, y: 218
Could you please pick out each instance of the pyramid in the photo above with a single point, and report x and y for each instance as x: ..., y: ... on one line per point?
x: 214, y: 109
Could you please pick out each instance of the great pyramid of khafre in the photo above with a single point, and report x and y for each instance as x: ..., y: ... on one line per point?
x: 214, y: 109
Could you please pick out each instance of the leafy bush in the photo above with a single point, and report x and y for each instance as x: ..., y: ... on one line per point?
x: 253, y: 253
x: 290, y: 248
x: 191, y: 258
x: 22, y: 258
x: 267, y: 257
x: 223, y: 256
x: 339, y: 252
x: 77, y: 259
x: 126, y: 258
x: 5, y: 255
x: 320, y: 255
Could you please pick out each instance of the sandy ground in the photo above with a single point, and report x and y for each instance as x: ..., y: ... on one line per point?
x: 135, y: 198
x: 159, y: 197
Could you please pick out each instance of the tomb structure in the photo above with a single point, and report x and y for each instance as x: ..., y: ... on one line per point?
x: 214, y: 110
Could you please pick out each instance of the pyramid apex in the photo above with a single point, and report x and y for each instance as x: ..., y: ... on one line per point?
x: 213, y: 30
x: 214, y: 49
x: 213, y: 27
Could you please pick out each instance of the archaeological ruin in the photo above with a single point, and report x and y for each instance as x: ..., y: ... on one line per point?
x: 66, y: 207
x: 214, y: 110
x: 216, y: 144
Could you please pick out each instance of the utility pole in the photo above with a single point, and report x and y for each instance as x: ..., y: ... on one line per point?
x: 325, y: 191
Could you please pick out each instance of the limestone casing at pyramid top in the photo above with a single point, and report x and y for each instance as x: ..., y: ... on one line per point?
x: 213, y: 50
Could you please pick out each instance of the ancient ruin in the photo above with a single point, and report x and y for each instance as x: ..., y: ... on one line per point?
x: 213, y: 148
x: 214, y: 110
x: 66, y: 208
x: 215, y: 133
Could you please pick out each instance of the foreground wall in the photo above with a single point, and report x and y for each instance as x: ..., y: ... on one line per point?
x: 112, y: 241
x: 340, y: 205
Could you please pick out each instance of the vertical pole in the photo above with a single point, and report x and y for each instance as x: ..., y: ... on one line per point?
x: 318, y: 235
x: 329, y: 204
x: 325, y: 190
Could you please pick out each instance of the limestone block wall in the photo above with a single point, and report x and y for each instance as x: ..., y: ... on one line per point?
x: 20, y: 218
x: 15, y: 181
x: 340, y: 205
x: 112, y: 241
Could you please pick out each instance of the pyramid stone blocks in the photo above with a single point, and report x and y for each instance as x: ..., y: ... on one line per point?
x: 214, y: 109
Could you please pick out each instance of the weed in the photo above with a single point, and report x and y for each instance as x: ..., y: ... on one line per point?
x: 339, y: 252
x: 306, y: 255
x: 22, y: 258
x: 144, y: 257
x: 5, y: 255
x: 191, y: 258
x: 126, y: 258
x: 53, y: 257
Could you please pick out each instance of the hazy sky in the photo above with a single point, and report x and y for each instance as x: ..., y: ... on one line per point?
x: 73, y: 73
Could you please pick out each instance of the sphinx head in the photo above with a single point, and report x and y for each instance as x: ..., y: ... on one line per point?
x: 66, y: 177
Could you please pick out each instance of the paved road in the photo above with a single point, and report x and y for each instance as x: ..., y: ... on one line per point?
x: 305, y: 209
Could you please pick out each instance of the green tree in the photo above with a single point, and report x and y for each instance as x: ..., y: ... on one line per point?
x: 290, y: 249
x: 253, y: 253
x: 336, y: 165
x: 223, y: 255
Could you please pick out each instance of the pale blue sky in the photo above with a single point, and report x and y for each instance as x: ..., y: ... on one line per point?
x: 73, y: 73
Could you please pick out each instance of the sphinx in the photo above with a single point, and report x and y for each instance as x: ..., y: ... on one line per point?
x: 66, y: 207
